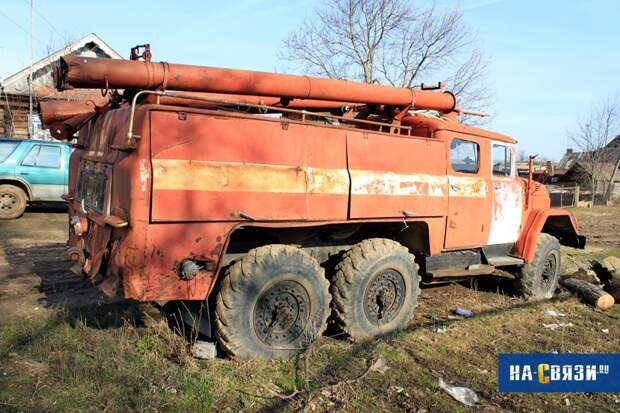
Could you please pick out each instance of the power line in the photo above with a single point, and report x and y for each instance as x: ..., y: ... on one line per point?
x: 20, y: 27
x: 42, y: 16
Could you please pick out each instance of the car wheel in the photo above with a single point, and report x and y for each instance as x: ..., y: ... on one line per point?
x: 13, y: 202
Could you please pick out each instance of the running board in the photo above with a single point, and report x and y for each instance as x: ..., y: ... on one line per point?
x: 504, y: 261
x: 475, y: 269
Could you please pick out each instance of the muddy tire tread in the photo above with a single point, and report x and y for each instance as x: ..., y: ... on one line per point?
x: 348, y: 270
x: 527, y: 276
x: 226, y: 315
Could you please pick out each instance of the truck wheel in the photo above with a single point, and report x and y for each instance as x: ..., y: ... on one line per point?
x: 271, y: 304
x: 374, y: 289
x: 12, y: 202
x: 539, y: 279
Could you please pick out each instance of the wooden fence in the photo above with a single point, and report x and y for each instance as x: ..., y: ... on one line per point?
x: 572, y: 195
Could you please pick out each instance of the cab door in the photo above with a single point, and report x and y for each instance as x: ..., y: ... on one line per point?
x: 468, y: 192
x: 44, y: 170
x: 508, y: 196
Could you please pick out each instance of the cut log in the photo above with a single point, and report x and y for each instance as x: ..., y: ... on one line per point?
x: 612, y: 266
x: 590, y: 293
x: 586, y: 275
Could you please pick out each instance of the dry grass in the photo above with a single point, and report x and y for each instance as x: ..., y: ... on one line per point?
x: 108, y: 359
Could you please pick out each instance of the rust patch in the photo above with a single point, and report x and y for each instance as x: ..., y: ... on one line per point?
x: 109, y: 286
x: 217, y: 250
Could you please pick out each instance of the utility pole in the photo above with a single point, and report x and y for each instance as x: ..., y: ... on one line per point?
x: 31, y: 61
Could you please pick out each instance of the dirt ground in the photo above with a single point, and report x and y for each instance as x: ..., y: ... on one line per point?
x: 64, y: 348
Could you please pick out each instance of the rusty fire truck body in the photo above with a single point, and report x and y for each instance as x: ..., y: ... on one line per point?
x: 171, y: 191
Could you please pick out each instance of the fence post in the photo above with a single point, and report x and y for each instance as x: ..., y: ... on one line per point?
x: 576, y: 197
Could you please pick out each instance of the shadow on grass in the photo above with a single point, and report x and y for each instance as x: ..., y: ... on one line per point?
x: 368, y: 348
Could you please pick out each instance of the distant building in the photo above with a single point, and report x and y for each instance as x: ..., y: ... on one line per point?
x: 610, y: 153
x: 14, y: 90
x: 586, y: 168
x: 545, y: 172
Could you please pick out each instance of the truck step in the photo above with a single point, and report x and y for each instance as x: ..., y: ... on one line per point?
x: 476, y: 269
x: 504, y: 261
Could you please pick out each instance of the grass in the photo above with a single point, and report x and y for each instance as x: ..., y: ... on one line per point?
x: 109, y: 359
x: 121, y: 357
x: 593, y: 253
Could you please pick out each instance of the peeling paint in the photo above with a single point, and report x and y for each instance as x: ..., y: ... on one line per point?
x: 144, y: 175
x: 507, y: 211
x: 247, y: 177
x: 179, y: 174
x: 390, y: 183
x: 465, y: 186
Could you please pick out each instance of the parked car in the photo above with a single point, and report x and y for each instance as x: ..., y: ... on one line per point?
x: 31, y: 171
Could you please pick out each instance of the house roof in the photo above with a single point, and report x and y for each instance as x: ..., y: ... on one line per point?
x: 610, y: 153
x: 602, y: 169
x: 18, y: 82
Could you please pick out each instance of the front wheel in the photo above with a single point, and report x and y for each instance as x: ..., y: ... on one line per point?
x: 539, y: 278
x: 13, y: 202
x: 271, y: 304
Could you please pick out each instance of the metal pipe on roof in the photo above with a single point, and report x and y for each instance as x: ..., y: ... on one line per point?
x: 85, y: 72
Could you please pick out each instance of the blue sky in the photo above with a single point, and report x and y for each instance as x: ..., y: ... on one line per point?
x: 551, y: 59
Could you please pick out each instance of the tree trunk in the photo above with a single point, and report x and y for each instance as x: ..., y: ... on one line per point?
x: 590, y: 293
x: 610, y: 184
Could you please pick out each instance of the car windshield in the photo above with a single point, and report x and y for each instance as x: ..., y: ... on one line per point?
x: 6, y: 148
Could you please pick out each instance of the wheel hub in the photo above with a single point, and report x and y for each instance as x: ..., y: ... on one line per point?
x: 549, y: 267
x: 384, y: 296
x: 282, y: 313
x: 7, y: 201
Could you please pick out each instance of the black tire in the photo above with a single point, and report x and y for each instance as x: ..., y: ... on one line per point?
x: 371, y: 273
x: 271, y: 304
x: 539, y: 279
x: 13, y: 202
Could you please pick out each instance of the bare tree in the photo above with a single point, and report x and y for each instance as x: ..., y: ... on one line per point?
x: 58, y: 42
x: 393, y: 42
x: 522, y: 156
x: 591, y: 137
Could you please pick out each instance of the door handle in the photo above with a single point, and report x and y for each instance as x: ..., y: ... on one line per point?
x: 24, y: 173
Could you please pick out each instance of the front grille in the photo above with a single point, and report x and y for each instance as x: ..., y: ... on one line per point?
x: 91, y: 189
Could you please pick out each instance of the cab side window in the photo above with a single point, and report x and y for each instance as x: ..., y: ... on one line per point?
x: 45, y: 156
x: 464, y: 156
x: 502, y: 160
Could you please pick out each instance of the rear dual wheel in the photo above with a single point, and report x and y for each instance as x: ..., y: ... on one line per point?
x: 271, y: 304
x: 275, y: 301
x: 374, y: 289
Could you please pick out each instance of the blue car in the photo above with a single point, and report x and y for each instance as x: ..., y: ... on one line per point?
x: 31, y: 171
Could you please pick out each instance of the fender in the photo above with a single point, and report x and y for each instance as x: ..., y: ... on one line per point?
x: 557, y: 222
x: 20, y: 183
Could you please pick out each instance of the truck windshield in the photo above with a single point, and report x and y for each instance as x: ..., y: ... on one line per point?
x: 6, y: 148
